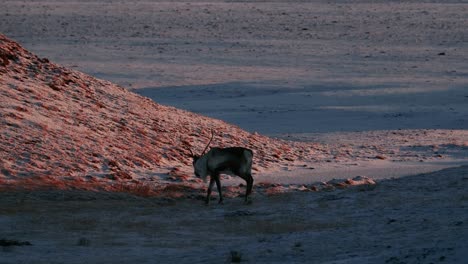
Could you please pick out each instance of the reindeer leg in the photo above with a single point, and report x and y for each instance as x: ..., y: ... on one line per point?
x: 218, y: 185
x: 249, y: 181
x: 212, y: 181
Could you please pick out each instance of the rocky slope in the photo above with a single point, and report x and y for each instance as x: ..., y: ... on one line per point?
x: 61, y: 123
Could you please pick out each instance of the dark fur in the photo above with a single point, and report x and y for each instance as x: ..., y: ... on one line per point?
x: 234, y: 157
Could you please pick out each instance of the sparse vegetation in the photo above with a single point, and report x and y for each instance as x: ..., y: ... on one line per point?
x: 138, y: 189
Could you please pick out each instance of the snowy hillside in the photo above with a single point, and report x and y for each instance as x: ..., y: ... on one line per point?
x: 364, y: 103
x: 60, y: 123
x: 64, y: 128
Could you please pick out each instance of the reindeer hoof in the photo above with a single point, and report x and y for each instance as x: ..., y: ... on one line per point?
x: 248, y: 201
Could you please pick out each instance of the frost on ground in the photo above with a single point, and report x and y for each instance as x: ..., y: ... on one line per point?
x: 91, y: 172
x: 58, y: 124
x: 415, y: 219
x: 267, y: 66
x: 66, y: 129
x: 79, y: 184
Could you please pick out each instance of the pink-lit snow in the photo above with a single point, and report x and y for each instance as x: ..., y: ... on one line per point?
x: 356, y: 112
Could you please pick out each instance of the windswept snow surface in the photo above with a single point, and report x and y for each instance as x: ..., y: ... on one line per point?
x: 60, y: 123
x: 416, y: 219
x: 355, y: 94
x: 273, y: 67
x: 281, y: 68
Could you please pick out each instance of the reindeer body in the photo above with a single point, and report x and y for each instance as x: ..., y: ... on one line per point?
x: 233, y: 161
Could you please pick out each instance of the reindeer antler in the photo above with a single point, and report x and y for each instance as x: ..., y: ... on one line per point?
x: 212, y: 136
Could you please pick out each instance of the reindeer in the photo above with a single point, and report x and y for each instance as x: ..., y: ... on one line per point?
x: 232, y: 161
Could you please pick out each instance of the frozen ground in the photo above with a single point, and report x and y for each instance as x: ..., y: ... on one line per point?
x: 279, y: 68
x: 346, y: 75
x: 417, y: 219
x: 324, y: 107
x: 271, y: 67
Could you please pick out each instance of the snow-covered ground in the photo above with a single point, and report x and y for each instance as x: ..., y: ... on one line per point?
x: 376, y: 89
x: 417, y: 219
x: 278, y: 68
x: 272, y: 67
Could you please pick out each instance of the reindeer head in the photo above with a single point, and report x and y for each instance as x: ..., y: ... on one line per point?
x: 194, y: 157
x: 198, y: 162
